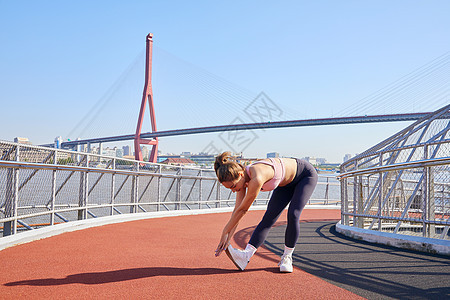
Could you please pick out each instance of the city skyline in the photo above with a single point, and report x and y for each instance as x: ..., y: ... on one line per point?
x: 128, y: 150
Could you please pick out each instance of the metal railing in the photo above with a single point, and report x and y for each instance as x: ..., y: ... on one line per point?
x: 42, y: 186
x: 402, y: 185
x: 415, y: 207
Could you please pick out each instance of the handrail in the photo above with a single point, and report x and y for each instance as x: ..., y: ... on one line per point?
x: 40, y: 166
x: 398, y: 166
x: 92, y: 155
x: 386, y: 151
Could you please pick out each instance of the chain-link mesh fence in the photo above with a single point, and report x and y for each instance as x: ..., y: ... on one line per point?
x: 42, y: 186
x: 402, y: 184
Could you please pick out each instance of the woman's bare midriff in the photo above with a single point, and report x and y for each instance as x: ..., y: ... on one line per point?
x: 290, y: 166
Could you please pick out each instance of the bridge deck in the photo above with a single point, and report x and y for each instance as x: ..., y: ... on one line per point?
x: 170, y: 257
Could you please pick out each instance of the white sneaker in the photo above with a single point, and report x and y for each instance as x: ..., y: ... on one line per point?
x: 238, y: 257
x: 286, y: 264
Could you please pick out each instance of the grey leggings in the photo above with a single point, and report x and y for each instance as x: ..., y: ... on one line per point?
x: 297, y: 193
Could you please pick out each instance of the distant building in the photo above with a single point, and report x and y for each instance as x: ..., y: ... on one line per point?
x: 162, y: 158
x: 28, y: 154
x: 94, y: 150
x: 178, y: 161
x: 109, y: 152
x: 321, y: 161
x: 126, y: 150
x: 273, y: 155
x: 145, y: 152
x: 311, y: 160
x: 347, y: 157
x: 203, y: 159
x: 119, y: 152
x: 58, y: 141
x: 82, y: 148
x: 22, y: 140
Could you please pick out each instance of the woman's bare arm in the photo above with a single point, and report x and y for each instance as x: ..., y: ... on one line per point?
x: 254, y: 186
x: 239, y: 197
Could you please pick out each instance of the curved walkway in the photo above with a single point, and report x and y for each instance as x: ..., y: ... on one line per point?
x: 173, y: 257
x: 169, y: 257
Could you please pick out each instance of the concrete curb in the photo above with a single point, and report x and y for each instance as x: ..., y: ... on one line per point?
x: 422, y: 244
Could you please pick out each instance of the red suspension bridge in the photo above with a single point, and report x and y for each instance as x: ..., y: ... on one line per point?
x: 151, y: 138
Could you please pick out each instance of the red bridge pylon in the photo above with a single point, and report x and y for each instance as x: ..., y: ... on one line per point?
x: 147, y: 96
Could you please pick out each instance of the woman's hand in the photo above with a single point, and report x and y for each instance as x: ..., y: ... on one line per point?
x: 223, y: 244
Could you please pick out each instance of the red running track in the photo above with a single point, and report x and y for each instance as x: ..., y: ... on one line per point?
x: 159, y: 258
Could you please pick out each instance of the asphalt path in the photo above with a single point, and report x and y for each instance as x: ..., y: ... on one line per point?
x: 371, y: 271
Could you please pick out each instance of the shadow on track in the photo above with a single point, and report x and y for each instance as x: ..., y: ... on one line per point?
x: 369, y: 270
x: 128, y: 274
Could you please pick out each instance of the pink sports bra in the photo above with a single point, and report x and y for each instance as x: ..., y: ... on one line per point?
x: 278, y: 168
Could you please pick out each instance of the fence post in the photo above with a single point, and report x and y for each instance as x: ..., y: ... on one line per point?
x: 158, y: 194
x: 86, y: 191
x: 12, y: 197
x: 178, y: 193
x: 355, y: 199
x: 360, y: 206
x: 16, y: 199
x: 113, y: 187
x: 133, y: 190
x: 136, y: 193
x: 431, y: 216
x: 381, y: 194
x: 83, y: 192
x: 428, y: 204
x: 344, y: 202
x: 218, y: 195
x: 425, y: 193
x: 344, y: 199
x: 9, y: 204
x: 200, y: 191
x: 133, y: 193
x: 80, y: 196
x: 52, y: 204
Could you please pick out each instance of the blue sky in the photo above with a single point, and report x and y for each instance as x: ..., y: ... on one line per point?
x: 76, y: 69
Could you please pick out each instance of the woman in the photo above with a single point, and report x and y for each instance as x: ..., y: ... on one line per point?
x: 292, y: 181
